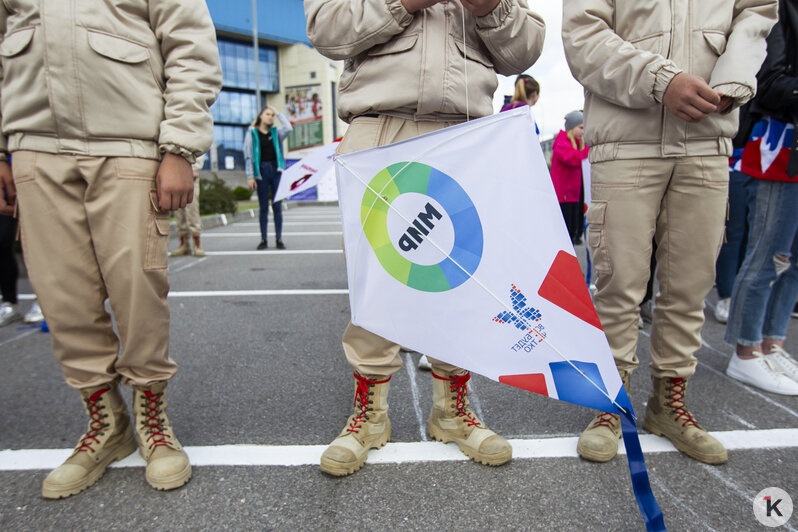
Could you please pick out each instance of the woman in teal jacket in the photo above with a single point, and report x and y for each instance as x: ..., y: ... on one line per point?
x: 264, y: 163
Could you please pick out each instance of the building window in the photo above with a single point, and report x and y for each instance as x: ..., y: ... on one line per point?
x: 238, y: 67
x: 230, y: 146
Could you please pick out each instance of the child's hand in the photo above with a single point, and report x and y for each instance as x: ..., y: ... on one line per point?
x: 480, y: 8
x: 690, y: 98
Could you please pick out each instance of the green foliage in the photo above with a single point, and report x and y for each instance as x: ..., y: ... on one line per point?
x: 216, y: 197
x: 242, y: 193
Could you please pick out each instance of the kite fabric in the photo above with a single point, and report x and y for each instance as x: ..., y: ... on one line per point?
x: 306, y: 172
x: 456, y: 248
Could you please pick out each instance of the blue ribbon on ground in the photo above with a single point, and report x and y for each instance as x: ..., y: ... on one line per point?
x: 649, y: 509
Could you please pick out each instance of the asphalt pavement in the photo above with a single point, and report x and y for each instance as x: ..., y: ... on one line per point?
x: 263, y: 386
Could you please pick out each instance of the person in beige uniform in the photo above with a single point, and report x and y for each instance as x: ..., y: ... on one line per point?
x: 403, y: 76
x: 104, y: 108
x: 662, y: 83
x: 188, y: 219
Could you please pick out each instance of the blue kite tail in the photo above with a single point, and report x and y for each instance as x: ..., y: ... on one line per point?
x: 650, y: 510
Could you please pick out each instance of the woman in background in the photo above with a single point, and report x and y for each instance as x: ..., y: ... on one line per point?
x: 569, y: 151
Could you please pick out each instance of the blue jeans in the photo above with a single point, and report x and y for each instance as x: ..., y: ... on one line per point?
x: 267, y: 188
x: 764, y: 294
x: 732, y: 252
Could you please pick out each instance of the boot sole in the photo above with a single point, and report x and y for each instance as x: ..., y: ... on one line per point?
x: 175, y: 481
x: 595, y: 456
x: 711, y: 459
x: 126, y: 448
x: 340, y: 469
x: 438, y: 434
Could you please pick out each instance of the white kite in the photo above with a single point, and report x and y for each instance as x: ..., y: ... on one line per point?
x: 456, y: 248
x: 307, y: 172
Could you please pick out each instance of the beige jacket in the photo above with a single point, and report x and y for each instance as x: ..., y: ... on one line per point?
x: 125, y: 78
x: 412, y: 65
x: 626, y: 52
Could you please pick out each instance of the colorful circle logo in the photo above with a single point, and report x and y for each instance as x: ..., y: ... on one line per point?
x: 466, y: 253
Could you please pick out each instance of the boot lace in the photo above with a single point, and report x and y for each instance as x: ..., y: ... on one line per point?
x: 362, y: 401
x: 677, y: 404
x: 605, y: 419
x: 96, y: 423
x: 158, y: 436
x: 459, y: 389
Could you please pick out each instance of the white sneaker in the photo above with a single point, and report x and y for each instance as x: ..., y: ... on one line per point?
x: 784, y: 361
x: 424, y: 364
x: 762, y: 372
x: 34, y: 315
x: 9, y: 314
x: 722, y: 310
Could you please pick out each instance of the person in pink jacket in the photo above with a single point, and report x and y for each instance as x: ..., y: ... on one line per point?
x: 566, y: 173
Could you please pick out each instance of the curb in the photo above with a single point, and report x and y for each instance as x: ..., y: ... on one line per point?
x: 211, y: 221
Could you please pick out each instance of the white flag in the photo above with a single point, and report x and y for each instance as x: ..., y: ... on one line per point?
x: 306, y: 172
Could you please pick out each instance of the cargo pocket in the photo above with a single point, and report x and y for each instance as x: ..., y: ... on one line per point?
x: 597, y: 238
x: 155, y: 257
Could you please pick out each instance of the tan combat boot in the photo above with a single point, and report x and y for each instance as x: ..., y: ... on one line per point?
x: 198, y: 251
x: 167, y: 464
x: 108, y: 438
x: 367, y: 428
x: 599, y: 441
x: 183, y: 249
x: 667, y: 415
x: 452, y: 420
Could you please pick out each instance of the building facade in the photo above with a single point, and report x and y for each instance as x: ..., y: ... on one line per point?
x: 291, y: 76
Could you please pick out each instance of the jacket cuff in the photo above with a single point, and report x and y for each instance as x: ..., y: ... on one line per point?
x: 740, y: 93
x: 179, y: 150
x: 399, y: 13
x: 663, y: 77
x: 496, y: 18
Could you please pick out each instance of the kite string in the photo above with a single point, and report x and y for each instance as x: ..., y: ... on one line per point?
x: 465, y: 63
x: 512, y: 311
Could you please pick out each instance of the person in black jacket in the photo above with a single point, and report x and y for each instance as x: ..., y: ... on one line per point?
x: 766, y: 286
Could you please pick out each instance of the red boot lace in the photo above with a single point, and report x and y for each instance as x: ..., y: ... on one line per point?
x: 362, y: 401
x: 459, y: 387
x: 677, y: 404
x: 96, y: 424
x: 606, y: 420
x: 153, y: 421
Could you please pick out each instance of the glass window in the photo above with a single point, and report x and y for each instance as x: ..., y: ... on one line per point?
x: 238, y: 66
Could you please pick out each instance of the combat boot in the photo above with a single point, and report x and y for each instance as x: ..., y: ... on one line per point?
x: 452, y: 420
x: 367, y: 428
x: 667, y: 415
x: 183, y: 249
x: 167, y: 464
x: 198, y: 251
x: 599, y: 441
x: 109, y: 437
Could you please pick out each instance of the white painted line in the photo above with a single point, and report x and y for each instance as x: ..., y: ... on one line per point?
x: 277, y: 252
x: 189, y: 265
x: 248, y: 224
x: 395, y: 453
x: 26, y: 297
x: 410, y: 366
x: 20, y: 336
x: 247, y: 293
x: 286, y: 235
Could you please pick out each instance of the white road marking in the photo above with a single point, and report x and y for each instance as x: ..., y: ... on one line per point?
x: 20, y: 336
x: 395, y: 453
x: 410, y: 366
x: 333, y: 222
x: 246, y: 293
x: 189, y: 265
x: 286, y: 235
x: 276, y: 252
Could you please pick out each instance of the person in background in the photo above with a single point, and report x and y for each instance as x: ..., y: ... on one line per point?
x: 264, y: 164
x: 9, y: 271
x: 98, y: 165
x: 661, y: 93
x: 527, y: 92
x: 766, y: 286
x: 188, y: 219
x: 394, y: 87
x: 568, y: 152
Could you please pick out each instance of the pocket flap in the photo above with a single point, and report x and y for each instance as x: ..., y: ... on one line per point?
x: 117, y: 48
x: 475, y: 54
x: 162, y: 224
x: 402, y: 44
x: 716, y: 41
x: 595, y: 213
x: 15, y: 42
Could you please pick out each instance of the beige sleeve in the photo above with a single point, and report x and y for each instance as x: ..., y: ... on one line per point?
x: 513, y: 34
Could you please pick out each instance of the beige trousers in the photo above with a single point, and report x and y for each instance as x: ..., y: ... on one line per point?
x: 367, y: 352
x: 188, y: 218
x: 682, y: 203
x: 91, y: 230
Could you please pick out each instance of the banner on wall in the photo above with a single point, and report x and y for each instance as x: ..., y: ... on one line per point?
x: 304, y: 109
